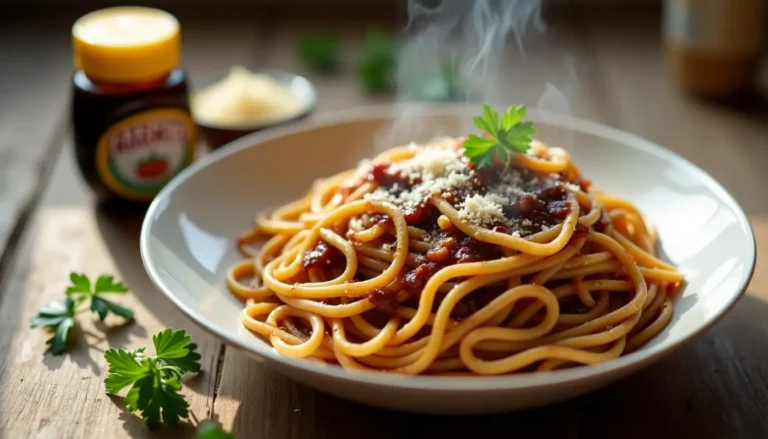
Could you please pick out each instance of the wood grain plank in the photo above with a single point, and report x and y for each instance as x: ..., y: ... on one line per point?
x: 257, y: 402
x: 35, y: 74
x: 46, y: 396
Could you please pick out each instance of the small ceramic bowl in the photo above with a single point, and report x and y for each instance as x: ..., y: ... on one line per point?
x: 217, y: 135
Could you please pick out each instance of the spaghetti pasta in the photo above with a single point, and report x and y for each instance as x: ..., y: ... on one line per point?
x: 419, y: 262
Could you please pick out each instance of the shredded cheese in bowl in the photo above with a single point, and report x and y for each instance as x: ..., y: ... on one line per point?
x: 245, y: 98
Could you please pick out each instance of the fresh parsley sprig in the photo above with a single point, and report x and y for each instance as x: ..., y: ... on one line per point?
x: 81, y: 290
x: 212, y: 430
x: 506, y: 136
x: 58, y: 317
x: 156, y: 379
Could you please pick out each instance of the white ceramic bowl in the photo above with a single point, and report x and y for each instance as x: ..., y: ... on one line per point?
x: 187, y: 243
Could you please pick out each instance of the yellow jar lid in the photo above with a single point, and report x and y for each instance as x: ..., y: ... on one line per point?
x: 126, y: 44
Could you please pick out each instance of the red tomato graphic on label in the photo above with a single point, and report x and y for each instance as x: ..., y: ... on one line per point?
x: 152, y: 167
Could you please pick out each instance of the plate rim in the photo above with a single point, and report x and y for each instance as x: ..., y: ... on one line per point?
x: 633, y: 360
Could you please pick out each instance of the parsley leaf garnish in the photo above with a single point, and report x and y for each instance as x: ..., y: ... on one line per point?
x: 107, y: 284
x: 506, y: 137
x: 176, y: 348
x: 59, y: 317
x: 212, y: 430
x: 156, y: 379
x: 79, y: 284
x: 80, y: 289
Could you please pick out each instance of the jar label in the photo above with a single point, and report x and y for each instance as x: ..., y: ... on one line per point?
x: 137, y: 156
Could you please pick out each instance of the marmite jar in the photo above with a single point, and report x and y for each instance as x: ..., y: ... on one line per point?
x: 133, y: 130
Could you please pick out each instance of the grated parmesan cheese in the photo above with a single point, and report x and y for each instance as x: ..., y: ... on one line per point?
x: 419, y: 192
x: 573, y: 187
x: 482, y: 209
x: 356, y: 224
x: 512, y: 184
x: 429, y: 163
x: 438, y: 168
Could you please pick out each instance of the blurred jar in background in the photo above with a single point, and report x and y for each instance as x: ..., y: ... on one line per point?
x: 714, y: 47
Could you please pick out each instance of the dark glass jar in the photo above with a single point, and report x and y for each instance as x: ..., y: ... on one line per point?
x: 130, y: 110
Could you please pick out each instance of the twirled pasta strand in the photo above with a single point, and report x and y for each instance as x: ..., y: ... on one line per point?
x: 618, y: 290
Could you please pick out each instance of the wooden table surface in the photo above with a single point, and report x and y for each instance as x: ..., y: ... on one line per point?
x: 715, y: 387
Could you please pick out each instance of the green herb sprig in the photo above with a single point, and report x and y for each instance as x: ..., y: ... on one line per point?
x: 506, y: 136
x: 319, y: 51
x: 376, y: 69
x: 212, y: 430
x: 58, y: 317
x: 156, y: 379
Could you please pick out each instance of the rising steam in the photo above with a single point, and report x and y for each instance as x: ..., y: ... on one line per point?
x: 488, y: 46
x: 471, y: 36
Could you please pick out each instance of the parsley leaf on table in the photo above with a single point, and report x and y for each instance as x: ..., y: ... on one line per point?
x: 506, y: 137
x: 156, y: 379
x: 80, y: 288
x: 106, y: 284
x: 124, y: 368
x: 58, y: 318
x: 212, y: 430
x: 103, y: 306
x: 177, y: 349
x: 80, y: 284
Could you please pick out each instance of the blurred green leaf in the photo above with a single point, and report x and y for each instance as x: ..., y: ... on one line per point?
x: 212, y: 430
x: 319, y: 51
x: 441, y: 84
x: 377, y: 67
